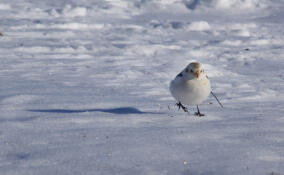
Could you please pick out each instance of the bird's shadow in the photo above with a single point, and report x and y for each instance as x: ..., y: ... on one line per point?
x: 120, y: 110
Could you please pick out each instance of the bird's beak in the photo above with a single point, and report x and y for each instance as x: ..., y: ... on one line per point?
x: 197, y: 74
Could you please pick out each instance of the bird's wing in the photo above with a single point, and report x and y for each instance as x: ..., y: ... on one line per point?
x: 179, y: 75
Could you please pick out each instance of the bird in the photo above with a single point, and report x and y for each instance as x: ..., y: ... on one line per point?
x: 191, y: 87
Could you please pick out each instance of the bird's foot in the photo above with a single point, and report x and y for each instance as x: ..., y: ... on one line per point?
x: 199, y: 114
x: 182, y: 107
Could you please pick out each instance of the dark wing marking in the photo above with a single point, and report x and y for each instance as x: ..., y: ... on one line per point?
x: 180, y: 75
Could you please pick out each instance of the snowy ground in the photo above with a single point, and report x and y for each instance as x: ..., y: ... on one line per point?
x: 84, y: 87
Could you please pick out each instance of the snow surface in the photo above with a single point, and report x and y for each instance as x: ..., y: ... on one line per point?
x: 84, y: 87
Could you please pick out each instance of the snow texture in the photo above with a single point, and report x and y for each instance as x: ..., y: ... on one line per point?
x: 84, y: 87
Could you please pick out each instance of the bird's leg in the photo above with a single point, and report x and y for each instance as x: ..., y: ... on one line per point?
x: 181, y: 106
x: 198, y: 112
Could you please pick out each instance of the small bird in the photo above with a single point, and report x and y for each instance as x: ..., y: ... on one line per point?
x: 191, y: 87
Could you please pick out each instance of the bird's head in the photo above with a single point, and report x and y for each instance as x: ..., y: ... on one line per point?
x: 194, y: 70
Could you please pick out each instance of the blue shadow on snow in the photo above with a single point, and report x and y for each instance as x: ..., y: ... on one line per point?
x: 121, y: 110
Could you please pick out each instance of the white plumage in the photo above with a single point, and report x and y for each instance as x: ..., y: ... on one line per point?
x: 191, y: 87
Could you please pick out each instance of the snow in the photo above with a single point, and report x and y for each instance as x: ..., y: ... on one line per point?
x: 84, y: 87
x: 199, y: 26
x: 244, y: 4
x: 5, y: 6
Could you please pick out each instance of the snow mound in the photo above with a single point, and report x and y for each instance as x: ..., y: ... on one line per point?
x: 19, y: 99
x: 199, y: 26
x: 225, y: 4
x: 69, y: 11
x: 5, y: 7
x: 237, y: 29
x: 241, y: 4
x: 73, y: 12
x: 232, y: 42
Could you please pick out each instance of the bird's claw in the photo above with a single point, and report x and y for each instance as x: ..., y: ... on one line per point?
x: 199, y: 114
x: 182, y: 107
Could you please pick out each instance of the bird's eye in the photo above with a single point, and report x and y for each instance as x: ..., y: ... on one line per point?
x: 191, y: 71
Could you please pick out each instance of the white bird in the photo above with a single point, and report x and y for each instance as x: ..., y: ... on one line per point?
x: 191, y: 87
